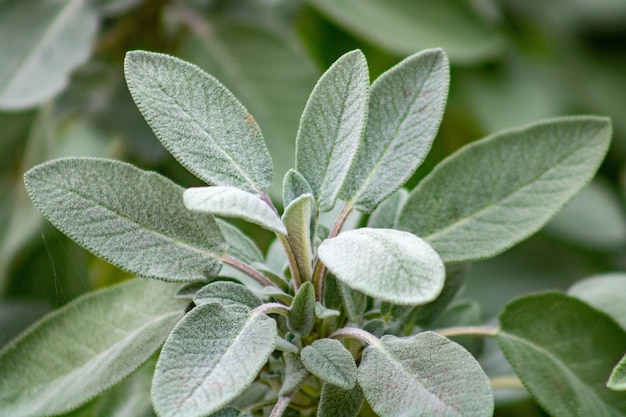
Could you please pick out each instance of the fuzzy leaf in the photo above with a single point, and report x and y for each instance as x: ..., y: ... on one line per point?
x: 496, y: 192
x: 455, y: 278
x: 233, y: 202
x: 226, y: 293
x: 331, y: 127
x: 617, y: 380
x: 231, y: 412
x: 605, y: 292
x: 331, y: 362
x: 295, y: 374
x: 386, y: 214
x: 131, y: 218
x: 239, y: 245
x: 294, y: 186
x: 405, y: 110
x: 297, y: 220
x: 199, y: 121
x: 302, y: 314
x: 82, y: 349
x: 563, y: 350
x: 387, y: 264
x: 427, y: 374
x: 354, y: 302
x: 213, y: 354
x: 338, y: 402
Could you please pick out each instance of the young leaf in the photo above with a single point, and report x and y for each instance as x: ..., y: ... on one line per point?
x: 563, y: 350
x: 405, y: 110
x: 331, y: 127
x: 427, y: 374
x: 387, y: 264
x: 328, y: 360
x: 302, y: 314
x: 297, y: 220
x: 338, y: 402
x: 226, y: 293
x: 617, y: 380
x: 233, y: 202
x: 131, y: 218
x: 495, y: 192
x: 213, y: 354
x: 295, y: 374
x: 239, y: 245
x: 199, y: 121
x: 294, y: 186
x: 354, y: 302
x: 605, y: 292
x: 97, y: 340
x: 386, y: 214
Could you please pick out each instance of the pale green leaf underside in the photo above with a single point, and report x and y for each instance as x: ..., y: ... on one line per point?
x: 563, y: 351
x: 617, y: 380
x: 335, y: 401
x: 331, y: 127
x: 199, y: 121
x: 331, y: 362
x: 495, y: 192
x: 301, y: 316
x: 82, y: 349
x: 427, y: 374
x: 605, y: 292
x: 132, y: 218
x: 387, y: 264
x: 297, y: 220
x: 233, y: 202
x: 225, y: 293
x: 212, y: 355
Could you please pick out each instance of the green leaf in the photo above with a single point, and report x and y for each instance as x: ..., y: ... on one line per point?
x: 427, y: 374
x: 199, y: 121
x: 386, y: 214
x: 332, y: 126
x: 294, y: 186
x: 43, y: 42
x: 213, y: 354
x: 233, y: 202
x: 226, y: 293
x: 405, y: 110
x: 322, y: 312
x: 455, y: 278
x: 131, y: 218
x: 387, y: 264
x: 297, y: 219
x: 605, y: 292
x: 338, y: 402
x: 617, y: 380
x: 98, y: 340
x: 239, y: 245
x: 328, y: 360
x: 563, y: 350
x: 496, y: 192
x: 231, y: 412
x: 295, y: 374
x: 354, y: 302
x: 302, y: 314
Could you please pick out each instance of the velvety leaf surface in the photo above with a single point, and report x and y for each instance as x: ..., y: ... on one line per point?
x: 617, y: 381
x: 82, y: 349
x: 212, y: 355
x: 239, y: 245
x: 331, y: 362
x: 386, y: 214
x: 338, y: 402
x: 302, y: 314
x: 563, y: 350
x: 387, y: 264
x: 226, y: 293
x: 133, y: 219
x: 295, y: 374
x: 605, y: 292
x: 294, y: 186
x: 427, y: 374
x: 331, y: 127
x: 297, y: 220
x: 199, y: 121
x: 495, y: 192
x: 405, y: 110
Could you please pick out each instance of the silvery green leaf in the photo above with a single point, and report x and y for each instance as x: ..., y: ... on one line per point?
x: 295, y: 374
x: 199, y: 121
x: 302, y: 314
x: 354, y: 302
x: 188, y: 290
x: 278, y: 294
x: 405, y: 110
x: 328, y: 360
x: 276, y: 259
x: 97, y: 340
x: 213, y: 354
x: 427, y: 374
x: 239, y: 245
x: 605, y: 292
x: 332, y: 126
x: 43, y: 41
x: 455, y: 278
x: 495, y: 192
x: 375, y: 327
x: 285, y: 346
x: 133, y: 219
x: 322, y: 312
x: 233, y: 202
x: 385, y: 216
x: 297, y: 220
x: 294, y: 186
x: 226, y: 293
x: 617, y: 380
x: 338, y: 402
x: 387, y: 264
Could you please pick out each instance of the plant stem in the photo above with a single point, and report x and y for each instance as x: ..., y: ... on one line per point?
x: 246, y: 269
x: 356, y: 333
x: 269, y: 308
x: 506, y: 382
x: 468, y: 331
x: 281, y: 405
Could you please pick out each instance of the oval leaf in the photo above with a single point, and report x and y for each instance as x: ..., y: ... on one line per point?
x: 212, y: 355
x: 328, y: 360
x: 301, y: 316
x: 387, y: 264
x: 226, y: 293
x: 427, y: 374
x: 82, y: 349
x: 132, y: 218
x: 605, y: 292
x: 496, y: 192
x: 199, y: 121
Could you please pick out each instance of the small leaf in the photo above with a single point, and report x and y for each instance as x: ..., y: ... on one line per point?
x: 285, y: 346
x: 427, y: 374
x: 617, y: 380
x: 295, y: 374
x: 328, y: 360
x: 233, y: 202
x: 563, y: 351
x: 354, y: 302
x: 406, y: 108
x: 338, y: 402
x: 212, y: 355
x: 226, y: 293
x: 605, y: 292
x: 331, y: 127
x: 297, y: 220
x: 302, y: 314
x: 496, y: 192
x: 322, y: 312
x: 387, y: 264
x: 294, y: 186
x: 97, y: 339
x: 386, y: 214
x: 239, y: 245
x: 199, y: 121
x: 131, y: 218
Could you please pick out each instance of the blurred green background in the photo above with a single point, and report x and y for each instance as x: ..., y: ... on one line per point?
x: 62, y: 93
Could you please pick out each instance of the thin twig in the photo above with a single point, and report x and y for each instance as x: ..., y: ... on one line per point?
x: 247, y: 269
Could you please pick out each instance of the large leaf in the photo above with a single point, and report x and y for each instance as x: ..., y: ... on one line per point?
x: 212, y: 355
x: 199, y: 121
x: 386, y: 214
x: 495, y: 192
x: 43, y: 41
x: 563, y: 350
x: 132, y: 218
x: 226, y: 293
x: 405, y: 109
x: 82, y: 349
x: 331, y: 127
x: 387, y: 264
x: 426, y: 374
x: 605, y: 292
